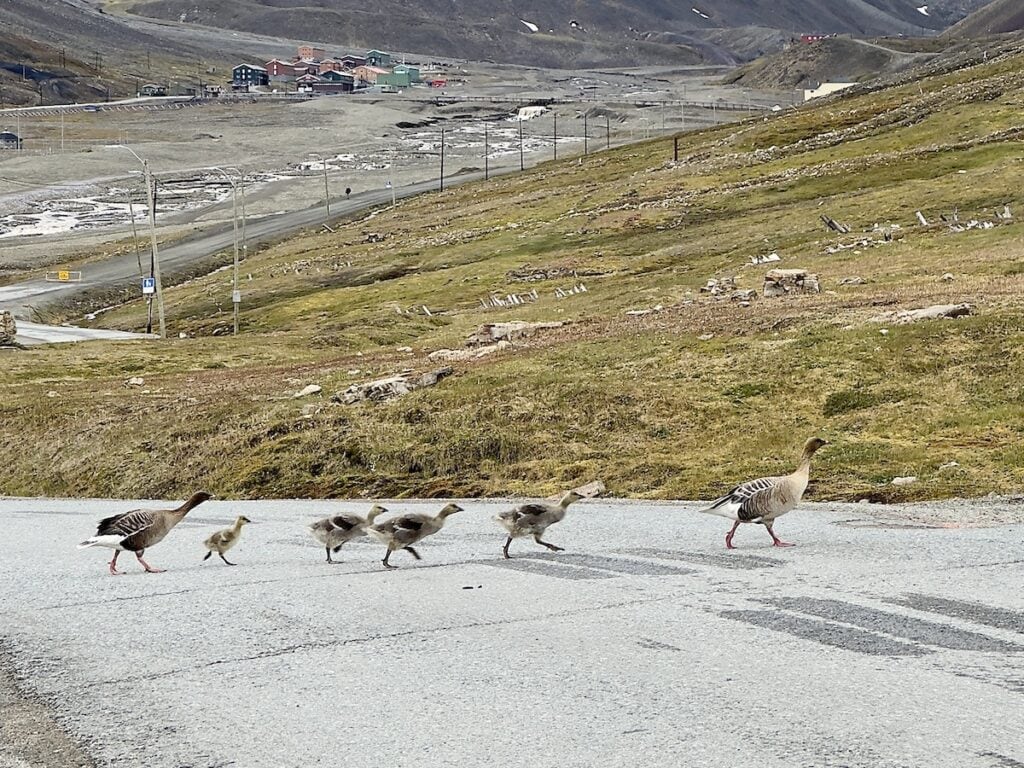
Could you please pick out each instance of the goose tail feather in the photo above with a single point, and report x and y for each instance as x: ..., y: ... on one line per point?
x: 113, y: 542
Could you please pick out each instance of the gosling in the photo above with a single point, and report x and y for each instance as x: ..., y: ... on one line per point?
x: 332, y: 532
x: 404, y: 531
x: 222, y: 541
x: 533, y: 520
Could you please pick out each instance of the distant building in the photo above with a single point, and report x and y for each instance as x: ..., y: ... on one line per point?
x: 368, y: 74
x: 283, y: 71
x: 351, y: 61
x: 305, y: 82
x: 335, y: 76
x: 345, y: 84
x: 9, y: 140
x: 212, y: 91
x: 311, y: 53
x: 402, y: 76
x: 247, y: 76
x: 377, y: 58
x: 825, y: 89
x: 153, y: 89
x: 814, y: 38
x: 330, y: 65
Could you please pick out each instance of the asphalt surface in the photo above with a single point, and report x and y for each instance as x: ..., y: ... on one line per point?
x: 644, y: 643
x: 31, y: 334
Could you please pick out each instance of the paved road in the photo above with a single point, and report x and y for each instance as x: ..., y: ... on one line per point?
x: 31, y: 334
x: 20, y: 298
x: 645, y: 643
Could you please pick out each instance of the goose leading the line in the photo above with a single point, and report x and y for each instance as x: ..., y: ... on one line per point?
x: 332, y: 532
x: 140, y: 529
x: 221, y: 541
x: 533, y: 520
x: 404, y: 531
x: 767, y: 498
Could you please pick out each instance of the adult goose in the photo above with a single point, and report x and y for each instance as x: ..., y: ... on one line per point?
x: 534, y: 519
x: 140, y: 529
x: 221, y: 541
x: 404, y: 531
x: 332, y: 532
x: 766, y: 499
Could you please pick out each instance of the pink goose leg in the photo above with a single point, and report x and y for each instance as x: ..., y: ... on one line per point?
x: 776, y: 541
x: 730, y: 534
x: 147, y: 566
x: 113, y: 565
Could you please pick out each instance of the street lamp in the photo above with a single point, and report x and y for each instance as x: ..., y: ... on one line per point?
x: 152, y: 233
x: 327, y: 191
x: 236, y: 295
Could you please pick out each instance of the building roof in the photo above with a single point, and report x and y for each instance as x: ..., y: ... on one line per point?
x: 376, y: 70
x: 250, y: 66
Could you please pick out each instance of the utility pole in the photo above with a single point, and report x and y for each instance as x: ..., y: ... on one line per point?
x: 62, y: 131
x: 236, y: 295
x: 554, y: 143
x: 155, y: 258
x: 487, y: 157
x: 586, y: 134
x: 442, y: 160
x: 522, y: 164
x: 327, y: 189
x: 607, y: 132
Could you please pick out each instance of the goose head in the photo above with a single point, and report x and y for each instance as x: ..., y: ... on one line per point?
x: 570, y: 497
x: 242, y: 520
x: 813, y: 445
x: 199, y: 497
x: 375, y: 510
x: 450, y: 509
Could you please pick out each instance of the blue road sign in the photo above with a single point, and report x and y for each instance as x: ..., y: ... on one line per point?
x: 148, y: 285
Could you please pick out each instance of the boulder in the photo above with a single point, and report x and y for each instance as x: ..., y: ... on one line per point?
x: 489, y: 333
x: 312, y: 389
x: 779, y: 282
x: 936, y: 312
x: 391, y: 387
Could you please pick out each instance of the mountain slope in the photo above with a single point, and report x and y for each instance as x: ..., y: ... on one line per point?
x: 998, y: 17
x: 602, y: 31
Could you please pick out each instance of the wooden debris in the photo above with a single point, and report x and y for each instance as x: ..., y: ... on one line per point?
x: 375, y: 237
x: 835, y: 226
x: 922, y: 219
x: 511, y: 300
x: 852, y: 281
x: 460, y: 355
x: 779, y: 282
x: 769, y: 258
x: 561, y: 293
x: 528, y: 274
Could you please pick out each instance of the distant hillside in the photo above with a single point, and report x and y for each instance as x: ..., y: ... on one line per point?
x: 998, y: 17
x: 835, y: 59
x: 569, y: 33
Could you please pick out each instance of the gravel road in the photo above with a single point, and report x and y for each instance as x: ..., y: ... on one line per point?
x: 646, y: 642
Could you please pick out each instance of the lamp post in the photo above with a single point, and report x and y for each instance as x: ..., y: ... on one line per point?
x: 152, y: 234
x: 327, y: 189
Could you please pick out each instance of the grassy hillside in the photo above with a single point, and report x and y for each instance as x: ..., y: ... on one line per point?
x: 675, y: 403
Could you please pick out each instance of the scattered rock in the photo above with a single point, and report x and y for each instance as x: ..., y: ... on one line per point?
x: 8, y: 328
x: 221, y: 330
x: 936, y: 312
x: 949, y: 465
x: 51, y: 393
x: 744, y: 297
x: 312, y: 389
x: 309, y: 410
x: 719, y: 286
x: 182, y: 335
x: 779, y: 282
x: 770, y: 258
x: 947, y: 278
x: 135, y: 381
x: 853, y: 281
x: 490, y: 333
x: 642, y: 312
x: 706, y: 336
x: 374, y: 237
x: 904, y: 480
x: 592, y: 490
x: 457, y: 355
x: 391, y: 387
x: 404, y: 349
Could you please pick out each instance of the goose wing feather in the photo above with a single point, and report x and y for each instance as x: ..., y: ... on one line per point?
x: 746, y: 501
x: 127, y: 524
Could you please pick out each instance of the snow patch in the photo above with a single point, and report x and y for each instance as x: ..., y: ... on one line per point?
x: 530, y: 25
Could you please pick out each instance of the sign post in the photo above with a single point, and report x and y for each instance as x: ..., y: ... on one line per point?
x: 148, y: 286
